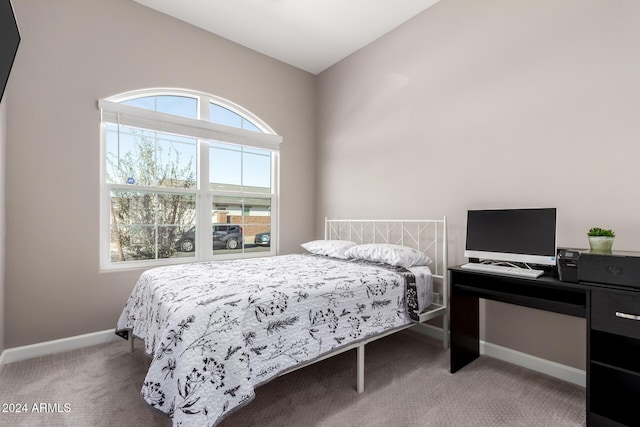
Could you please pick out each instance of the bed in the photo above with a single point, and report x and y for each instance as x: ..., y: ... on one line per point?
x: 217, y: 330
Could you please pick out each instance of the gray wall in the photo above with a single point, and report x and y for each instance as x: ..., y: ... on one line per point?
x: 493, y: 104
x: 72, y: 53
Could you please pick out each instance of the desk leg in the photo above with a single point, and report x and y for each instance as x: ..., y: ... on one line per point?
x: 465, y: 329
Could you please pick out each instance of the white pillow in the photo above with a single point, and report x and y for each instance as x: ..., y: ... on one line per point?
x: 396, y: 255
x: 333, y: 248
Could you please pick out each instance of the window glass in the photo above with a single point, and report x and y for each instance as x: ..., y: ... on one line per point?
x: 257, y: 224
x: 225, y: 166
x: 227, y: 211
x: 256, y: 170
x: 224, y: 116
x: 150, y: 158
x: 148, y: 225
x: 246, y: 124
x: 241, y: 224
x: 169, y: 104
x: 238, y: 168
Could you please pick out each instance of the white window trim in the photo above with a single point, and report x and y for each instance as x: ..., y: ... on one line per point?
x: 127, y: 115
x: 204, y: 131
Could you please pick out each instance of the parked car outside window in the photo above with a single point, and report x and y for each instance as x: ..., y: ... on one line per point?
x: 263, y: 239
x: 224, y: 236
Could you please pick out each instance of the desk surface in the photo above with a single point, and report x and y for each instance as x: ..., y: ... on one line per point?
x: 544, y: 280
x: 545, y: 292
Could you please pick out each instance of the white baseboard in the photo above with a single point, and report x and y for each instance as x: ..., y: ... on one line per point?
x: 547, y: 367
x: 17, y: 354
x: 427, y: 330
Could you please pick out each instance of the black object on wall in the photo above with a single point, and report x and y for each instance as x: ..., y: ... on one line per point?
x: 9, y: 40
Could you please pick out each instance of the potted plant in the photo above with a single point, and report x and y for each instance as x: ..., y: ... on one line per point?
x: 600, y: 240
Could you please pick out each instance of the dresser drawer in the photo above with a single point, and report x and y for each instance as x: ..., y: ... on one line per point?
x: 616, y: 312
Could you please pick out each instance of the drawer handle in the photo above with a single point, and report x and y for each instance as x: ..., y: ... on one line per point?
x: 627, y: 316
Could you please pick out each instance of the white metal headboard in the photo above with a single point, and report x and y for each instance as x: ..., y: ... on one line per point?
x: 426, y: 235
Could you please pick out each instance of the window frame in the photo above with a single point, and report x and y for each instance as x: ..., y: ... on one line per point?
x: 205, y: 132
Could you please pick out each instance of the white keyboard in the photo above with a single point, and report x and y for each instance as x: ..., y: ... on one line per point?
x: 502, y: 269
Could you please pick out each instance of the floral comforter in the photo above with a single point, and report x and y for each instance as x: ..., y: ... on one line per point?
x: 216, y: 330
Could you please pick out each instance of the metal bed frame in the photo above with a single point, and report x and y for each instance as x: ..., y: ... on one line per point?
x: 428, y: 236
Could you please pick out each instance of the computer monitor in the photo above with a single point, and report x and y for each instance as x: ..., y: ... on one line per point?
x: 515, y: 235
x: 9, y: 40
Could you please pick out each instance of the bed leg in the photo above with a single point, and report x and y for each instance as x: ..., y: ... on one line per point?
x: 130, y: 339
x: 361, y: 368
x: 445, y: 331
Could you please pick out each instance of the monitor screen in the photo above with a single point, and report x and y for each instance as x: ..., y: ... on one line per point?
x: 9, y: 40
x: 516, y: 235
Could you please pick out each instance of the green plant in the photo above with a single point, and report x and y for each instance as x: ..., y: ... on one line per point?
x: 597, y: 231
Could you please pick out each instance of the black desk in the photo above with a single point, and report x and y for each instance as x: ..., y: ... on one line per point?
x: 544, y: 293
x: 613, y: 332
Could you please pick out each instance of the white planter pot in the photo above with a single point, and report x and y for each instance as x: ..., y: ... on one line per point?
x: 600, y: 244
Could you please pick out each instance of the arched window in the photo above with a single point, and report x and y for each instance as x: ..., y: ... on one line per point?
x: 186, y: 176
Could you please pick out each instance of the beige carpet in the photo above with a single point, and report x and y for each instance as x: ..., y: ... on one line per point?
x: 407, y: 384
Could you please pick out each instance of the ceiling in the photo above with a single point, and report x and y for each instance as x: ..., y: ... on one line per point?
x: 308, y: 34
